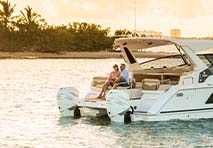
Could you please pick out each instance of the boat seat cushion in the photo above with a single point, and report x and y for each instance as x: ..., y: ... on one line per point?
x: 150, y: 84
x: 163, y: 86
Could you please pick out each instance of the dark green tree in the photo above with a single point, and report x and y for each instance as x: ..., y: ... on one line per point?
x: 29, y: 20
x: 6, y: 15
x: 123, y: 32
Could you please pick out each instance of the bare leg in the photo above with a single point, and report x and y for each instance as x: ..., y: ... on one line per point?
x: 104, y: 88
x: 100, y: 95
x: 115, y: 86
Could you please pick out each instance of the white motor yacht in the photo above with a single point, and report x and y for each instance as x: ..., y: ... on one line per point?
x: 167, y: 88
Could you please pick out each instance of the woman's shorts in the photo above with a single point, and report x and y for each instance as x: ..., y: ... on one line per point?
x: 110, y: 83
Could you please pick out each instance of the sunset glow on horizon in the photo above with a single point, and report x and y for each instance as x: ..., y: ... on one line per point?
x: 193, y: 17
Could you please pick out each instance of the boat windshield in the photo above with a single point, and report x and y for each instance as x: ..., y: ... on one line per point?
x: 165, y: 62
x: 173, y: 57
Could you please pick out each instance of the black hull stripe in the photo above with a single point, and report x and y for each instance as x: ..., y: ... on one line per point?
x: 135, y: 99
x: 143, y: 112
x: 190, y: 110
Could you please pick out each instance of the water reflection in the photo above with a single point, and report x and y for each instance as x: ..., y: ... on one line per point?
x: 69, y: 121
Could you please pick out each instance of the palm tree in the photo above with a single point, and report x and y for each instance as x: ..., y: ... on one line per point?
x: 30, y: 20
x: 6, y: 18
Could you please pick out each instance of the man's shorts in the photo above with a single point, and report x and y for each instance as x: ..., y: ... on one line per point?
x: 123, y: 83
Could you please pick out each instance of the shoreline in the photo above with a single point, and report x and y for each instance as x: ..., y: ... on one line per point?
x: 76, y: 55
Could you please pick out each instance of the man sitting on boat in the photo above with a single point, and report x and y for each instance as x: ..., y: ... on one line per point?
x: 123, y: 79
x: 115, y: 79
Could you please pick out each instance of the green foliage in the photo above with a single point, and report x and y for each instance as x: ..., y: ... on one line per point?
x: 29, y: 32
x: 6, y: 15
x: 29, y: 21
x: 124, y: 32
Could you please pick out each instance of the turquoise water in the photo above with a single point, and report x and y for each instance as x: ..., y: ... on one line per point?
x: 29, y: 115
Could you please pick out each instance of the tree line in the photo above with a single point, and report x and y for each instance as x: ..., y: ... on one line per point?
x: 28, y: 31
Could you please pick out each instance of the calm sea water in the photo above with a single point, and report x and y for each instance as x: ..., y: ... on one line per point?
x: 29, y: 115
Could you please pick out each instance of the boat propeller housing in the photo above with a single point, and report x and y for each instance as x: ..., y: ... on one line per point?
x: 67, y: 99
x: 117, y: 105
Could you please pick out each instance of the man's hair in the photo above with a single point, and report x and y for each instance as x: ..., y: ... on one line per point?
x: 123, y: 64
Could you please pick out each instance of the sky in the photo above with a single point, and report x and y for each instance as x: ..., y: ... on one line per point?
x: 193, y: 17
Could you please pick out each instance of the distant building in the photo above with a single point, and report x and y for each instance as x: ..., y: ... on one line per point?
x: 149, y: 33
x: 175, y: 33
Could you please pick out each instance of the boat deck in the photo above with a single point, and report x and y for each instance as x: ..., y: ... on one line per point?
x: 95, y: 103
x: 95, y: 99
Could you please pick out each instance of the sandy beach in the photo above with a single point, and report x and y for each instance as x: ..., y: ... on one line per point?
x: 74, y: 55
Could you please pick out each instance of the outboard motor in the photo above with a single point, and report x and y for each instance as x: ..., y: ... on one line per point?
x: 67, y: 99
x: 117, y: 103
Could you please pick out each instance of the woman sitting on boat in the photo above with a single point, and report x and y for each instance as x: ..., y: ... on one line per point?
x: 123, y: 79
x: 110, y: 81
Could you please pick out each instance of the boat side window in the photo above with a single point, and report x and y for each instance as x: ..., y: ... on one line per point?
x: 209, y: 57
x: 206, y: 56
x: 208, y: 60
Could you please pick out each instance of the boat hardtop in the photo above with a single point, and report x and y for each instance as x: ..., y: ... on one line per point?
x: 141, y: 43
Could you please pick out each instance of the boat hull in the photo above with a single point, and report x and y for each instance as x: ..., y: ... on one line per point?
x: 185, y: 115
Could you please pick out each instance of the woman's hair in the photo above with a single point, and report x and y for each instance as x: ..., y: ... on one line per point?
x: 115, y: 65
